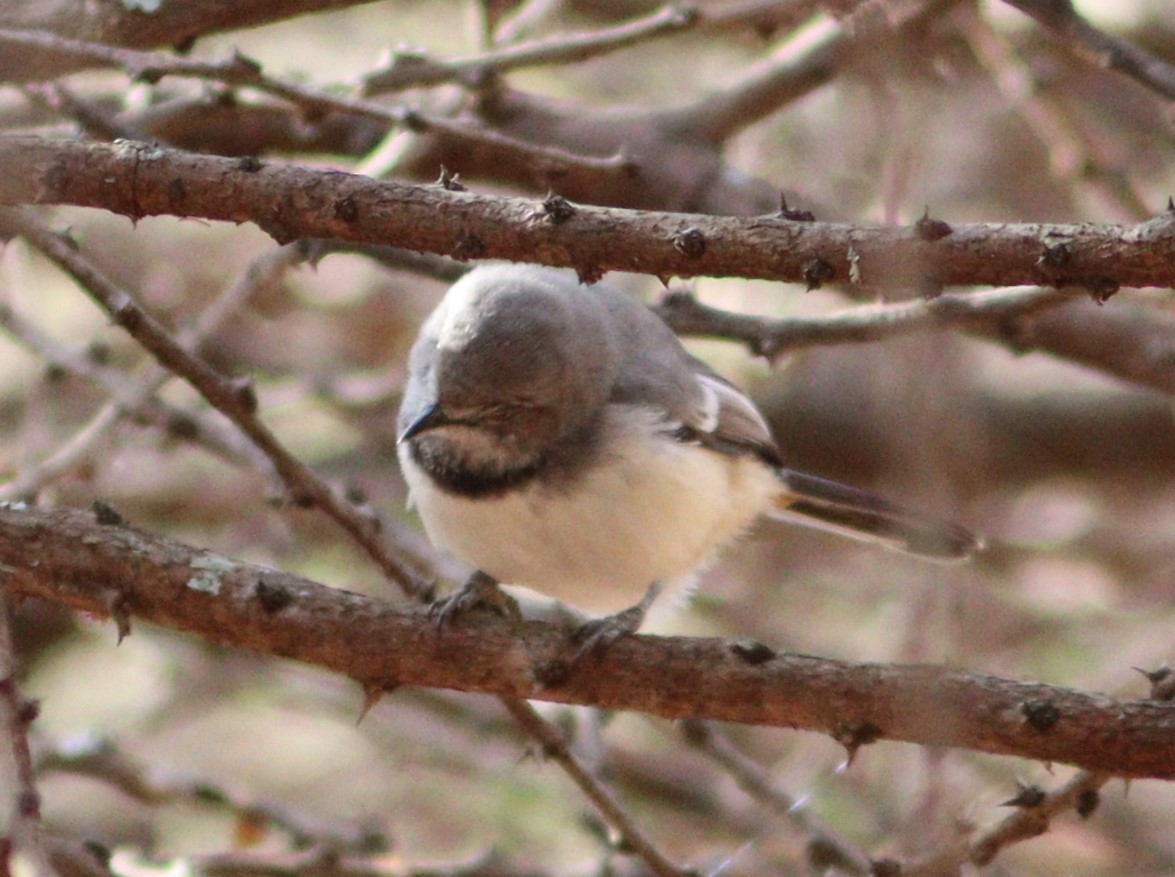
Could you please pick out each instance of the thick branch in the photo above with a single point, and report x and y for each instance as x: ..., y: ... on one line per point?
x: 66, y: 557
x: 289, y: 202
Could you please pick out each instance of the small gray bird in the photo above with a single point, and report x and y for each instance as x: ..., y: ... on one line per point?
x: 559, y: 437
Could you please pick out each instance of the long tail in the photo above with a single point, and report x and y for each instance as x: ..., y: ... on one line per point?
x: 858, y: 514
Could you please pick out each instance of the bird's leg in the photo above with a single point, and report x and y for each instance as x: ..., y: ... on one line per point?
x: 480, y: 591
x: 594, y: 636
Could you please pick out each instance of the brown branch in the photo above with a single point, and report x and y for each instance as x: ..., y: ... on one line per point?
x: 1130, y: 342
x: 753, y: 779
x: 98, y: 758
x: 1076, y: 161
x: 234, y: 398
x: 787, y: 76
x: 244, y: 72
x: 290, y: 202
x: 66, y: 557
x: 775, y: 338
x: 1028, y: 821
x: 172, y: 24
x: 137, y: 398
x: 412, y: 71
x: 555, y: 747
x: 132, y: 398
x: 21, y: 842
x: 1100, y: 48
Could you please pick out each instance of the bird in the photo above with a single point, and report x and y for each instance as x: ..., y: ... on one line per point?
x: 557, y: 436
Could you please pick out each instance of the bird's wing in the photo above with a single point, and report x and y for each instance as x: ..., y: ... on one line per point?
x: 727, y: 420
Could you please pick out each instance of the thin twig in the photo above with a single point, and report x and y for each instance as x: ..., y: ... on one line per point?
x: 1025, y: 822
x: 1100, y: 48
x: 21, y: 847
x: 233, y: 398
x: 753, y: 780
x: 413, y: 70
x: 138, y: 399
x: 98, y: 758
x: 133, y: 399
x: 243, y: 72
x: 1071, y: 156
x: 775, y: 338
x: 555, y: 747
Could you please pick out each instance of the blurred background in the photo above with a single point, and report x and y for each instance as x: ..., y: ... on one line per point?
x: 864, y: 112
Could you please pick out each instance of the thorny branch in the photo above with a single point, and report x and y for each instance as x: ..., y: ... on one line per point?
x: 67, y: 557
x: 289, y: 202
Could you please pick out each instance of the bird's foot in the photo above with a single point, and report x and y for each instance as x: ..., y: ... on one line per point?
x: 594, y: 637
x: 479, y: 592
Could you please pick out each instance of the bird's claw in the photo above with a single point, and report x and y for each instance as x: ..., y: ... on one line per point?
x: 479, y: 592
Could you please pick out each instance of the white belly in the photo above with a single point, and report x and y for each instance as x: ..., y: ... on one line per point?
x: 648, y: 512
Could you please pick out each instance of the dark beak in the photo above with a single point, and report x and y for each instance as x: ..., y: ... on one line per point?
x: 430, y: 418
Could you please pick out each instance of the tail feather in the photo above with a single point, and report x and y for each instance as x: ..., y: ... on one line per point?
x: 858, y: 514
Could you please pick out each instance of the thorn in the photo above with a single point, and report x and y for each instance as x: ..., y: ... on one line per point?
x: 817, y: 272
x: 371, y: 696
x: 931, y: 229
x: 557, y: 208
x: 116, y: 609
x: 752, y: 651
x: 1027, y: 797
x: 588, y: 274
x: 1162, y: 682
x: 449, y: 181
x: 105, y: 514
x: 1042, y: 715
x: 1087, y: 803
x: 787, y: 213
x: 853, y: 737
x: 690, y: 242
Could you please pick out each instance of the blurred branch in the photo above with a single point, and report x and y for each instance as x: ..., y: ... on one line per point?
x: 1098, y: 47
x: 242, y: 71
x: 792, y: 73
x: 1030, y: 819
x: 99, y: 759
x: 134, y: 399
x: 137, y: 398
x: 1074, y: 159
x: 555, y: 747
x: 775, y: 338
x: 291, y: 202
x: 21, y: 848
x: 124, y: 24
x: 233, y: 398
x: 753, y: 779
x: 1130, y: 342
x: 322, y: 861
x: 412, y: 71
x: 67, y: 557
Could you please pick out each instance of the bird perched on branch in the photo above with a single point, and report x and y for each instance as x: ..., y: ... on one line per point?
x: 558, y: 436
